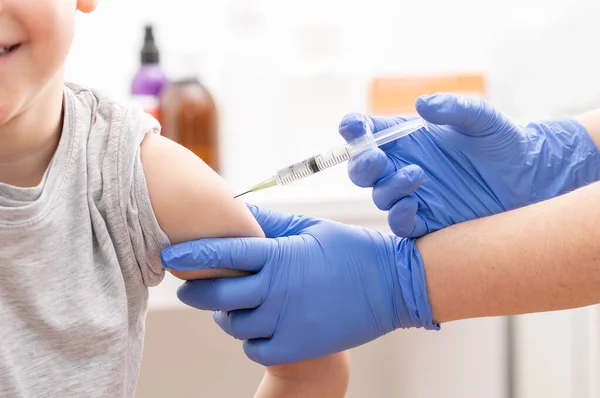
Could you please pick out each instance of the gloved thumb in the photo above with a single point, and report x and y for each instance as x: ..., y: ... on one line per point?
x: 470, y: 116
x: 276, y: 224
x: 242, y: 254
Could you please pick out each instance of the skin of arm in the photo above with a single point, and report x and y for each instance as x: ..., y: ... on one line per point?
x: 591, y: 121
x: 190, y: 202
x: 543, y: 257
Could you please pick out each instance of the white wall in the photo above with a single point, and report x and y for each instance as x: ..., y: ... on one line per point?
x: 398, y: 36
x: 268, y: 91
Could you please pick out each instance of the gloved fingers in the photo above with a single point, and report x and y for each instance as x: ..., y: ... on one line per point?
x: 404, y: 220
x: 243, y: 324
x: 352, y: 126
x: 276, y: 224
x: 226, y: 294
x: 471, y: 116
x: 396, y: 186
x: 370, y: 166
x: 355, y: 125
x: 243, y: 254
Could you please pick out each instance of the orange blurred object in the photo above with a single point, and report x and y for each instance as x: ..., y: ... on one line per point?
x: 397, y: 95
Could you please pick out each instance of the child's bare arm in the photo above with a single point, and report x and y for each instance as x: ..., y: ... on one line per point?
x: 317, y: 378
x: 191, y: 202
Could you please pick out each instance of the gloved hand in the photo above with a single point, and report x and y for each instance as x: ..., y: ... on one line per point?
x: 471, y: 162
x: 319, y: 287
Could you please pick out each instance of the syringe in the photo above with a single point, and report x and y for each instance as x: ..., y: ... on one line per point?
x: 337, y: 155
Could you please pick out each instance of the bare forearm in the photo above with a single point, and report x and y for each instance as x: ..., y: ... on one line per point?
x: 542, y: 257
x: 316, y: 378
x: 591, y: 122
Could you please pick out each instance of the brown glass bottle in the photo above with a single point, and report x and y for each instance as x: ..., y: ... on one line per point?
x: 189, y: 117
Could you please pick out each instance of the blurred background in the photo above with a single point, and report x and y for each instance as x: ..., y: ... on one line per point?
x: 253, y: 85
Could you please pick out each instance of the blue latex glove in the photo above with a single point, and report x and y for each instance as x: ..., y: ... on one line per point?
x: 471, y: 162
x: 319, y: 287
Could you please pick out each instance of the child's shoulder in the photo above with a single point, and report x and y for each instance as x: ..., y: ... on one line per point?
x: 111, y: 131
x: 94, y: 96
x: 105, y: 137
x: 107, y: 112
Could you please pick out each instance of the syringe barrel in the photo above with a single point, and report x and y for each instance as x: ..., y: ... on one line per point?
x: 340, y: 154
x: 313, y: 165
x: 295, y: 172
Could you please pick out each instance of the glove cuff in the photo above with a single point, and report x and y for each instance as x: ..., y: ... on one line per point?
x: 414, y: 309
x: 568, y: 153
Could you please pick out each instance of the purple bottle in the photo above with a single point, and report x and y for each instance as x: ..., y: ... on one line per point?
x: 150, y: 78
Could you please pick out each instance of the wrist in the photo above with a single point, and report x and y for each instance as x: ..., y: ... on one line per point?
x: 412, y: 308
x: 590, y: 122
x: 567, y: 151
x: 311, y: 370
x: 326, y: 376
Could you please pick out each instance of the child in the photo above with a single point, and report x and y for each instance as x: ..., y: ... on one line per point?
x: 89, y: 195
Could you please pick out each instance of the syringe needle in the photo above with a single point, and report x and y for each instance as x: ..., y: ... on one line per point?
x: 241, y: 194
x: 271, y: 182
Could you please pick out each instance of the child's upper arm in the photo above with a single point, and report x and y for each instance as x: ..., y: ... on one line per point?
x: 190, y: 200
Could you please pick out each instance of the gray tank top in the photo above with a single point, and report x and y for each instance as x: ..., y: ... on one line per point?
x: 77, y: 254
